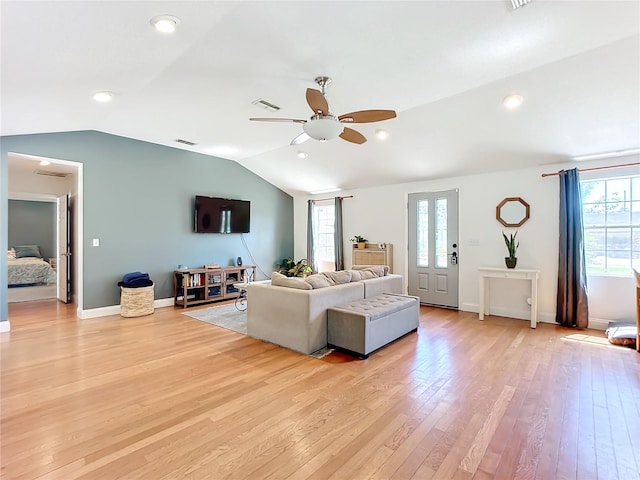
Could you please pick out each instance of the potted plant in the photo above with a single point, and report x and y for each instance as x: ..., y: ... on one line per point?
x: 359, y: 240
x: 512, y: 247
x: 290, y: 268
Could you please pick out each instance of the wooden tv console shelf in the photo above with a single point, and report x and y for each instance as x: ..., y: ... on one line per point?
x: 195, y: 286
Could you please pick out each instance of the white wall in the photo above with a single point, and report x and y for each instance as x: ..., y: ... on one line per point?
x: 380, y: 215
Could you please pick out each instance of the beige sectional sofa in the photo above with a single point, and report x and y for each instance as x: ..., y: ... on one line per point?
x: 294, y: 315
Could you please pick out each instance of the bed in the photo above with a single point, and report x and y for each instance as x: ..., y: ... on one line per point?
x: 29, y: 271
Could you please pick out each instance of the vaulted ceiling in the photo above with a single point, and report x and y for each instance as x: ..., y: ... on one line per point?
x: 443, y: 66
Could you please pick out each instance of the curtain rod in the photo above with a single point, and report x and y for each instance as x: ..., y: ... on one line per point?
x: 594, y: 168
x: 323, y: 199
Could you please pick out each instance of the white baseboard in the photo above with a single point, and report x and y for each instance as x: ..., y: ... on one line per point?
x: 115, y: 309
x: 5, y: 326
x: 598, y: 323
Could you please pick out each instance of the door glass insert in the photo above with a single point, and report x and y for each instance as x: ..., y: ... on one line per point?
x: 441, y: 233
x: 423, y: 233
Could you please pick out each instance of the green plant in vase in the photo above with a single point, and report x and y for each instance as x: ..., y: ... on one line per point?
x: 512, y: 246
x: 359, y: 240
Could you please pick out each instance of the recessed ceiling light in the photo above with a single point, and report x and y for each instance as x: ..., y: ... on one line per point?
x: 44, y: 163
x: 302, y: 154
x: 511, y: 102
x: 103, y: 97
x: 382, y: 134
x: 165, y: 23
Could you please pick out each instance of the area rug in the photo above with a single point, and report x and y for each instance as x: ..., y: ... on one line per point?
x: 225, y: 316
x: 229, y: 317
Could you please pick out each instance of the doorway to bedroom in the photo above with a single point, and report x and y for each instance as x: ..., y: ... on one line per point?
x: 42, y: 223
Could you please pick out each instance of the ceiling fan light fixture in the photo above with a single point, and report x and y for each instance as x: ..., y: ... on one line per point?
x: 165, y: 23
x: 323, y: 129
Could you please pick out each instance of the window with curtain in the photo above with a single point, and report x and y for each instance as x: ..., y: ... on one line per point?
x: 324, y: 223
x: 611, y: 217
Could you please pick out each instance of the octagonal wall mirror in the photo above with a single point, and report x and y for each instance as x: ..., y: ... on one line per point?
x: 512, y: 212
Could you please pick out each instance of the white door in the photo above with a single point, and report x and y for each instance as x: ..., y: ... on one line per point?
x: 63, y: 260
x: 433, y: 247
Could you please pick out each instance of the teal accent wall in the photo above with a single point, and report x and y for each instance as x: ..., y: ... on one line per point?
x: 33, y: 223
x: 138, y: 200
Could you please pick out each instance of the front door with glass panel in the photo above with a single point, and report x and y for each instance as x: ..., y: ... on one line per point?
x: 433, y: 247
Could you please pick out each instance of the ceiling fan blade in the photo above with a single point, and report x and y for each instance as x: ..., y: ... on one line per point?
x: 367, y: 116
x: 317, y: 102
x: 350, y: 135
x: 295, y: 120
x: 303, y: 137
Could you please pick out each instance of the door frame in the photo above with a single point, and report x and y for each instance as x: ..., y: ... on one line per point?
x: 77, y: 218
x: 439, y: 188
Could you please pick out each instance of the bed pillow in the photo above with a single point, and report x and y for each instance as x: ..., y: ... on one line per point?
x: 11, y: 254
x: 24, y: 251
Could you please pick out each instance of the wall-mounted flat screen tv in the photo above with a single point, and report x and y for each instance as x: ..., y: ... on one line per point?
x: 221, y: 215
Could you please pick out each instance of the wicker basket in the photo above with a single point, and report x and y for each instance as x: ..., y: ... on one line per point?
x: 136, y: 302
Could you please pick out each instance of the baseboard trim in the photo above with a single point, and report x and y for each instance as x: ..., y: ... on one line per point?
x: 115, y: 309
x: 598, y: 323
x: 5, y: 326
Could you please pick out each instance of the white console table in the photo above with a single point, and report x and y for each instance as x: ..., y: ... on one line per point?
x: 487, y: 273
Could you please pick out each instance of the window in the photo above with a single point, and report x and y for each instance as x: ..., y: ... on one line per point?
x: 611, y: 218
x: 324, y: 227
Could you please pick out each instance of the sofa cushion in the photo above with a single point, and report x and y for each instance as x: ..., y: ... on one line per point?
x: 375, y: 268
x: 339, y: 277
x: 317, y: 280
x: 292, y: 282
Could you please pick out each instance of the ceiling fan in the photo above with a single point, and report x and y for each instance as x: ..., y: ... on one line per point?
x: 323, y: 125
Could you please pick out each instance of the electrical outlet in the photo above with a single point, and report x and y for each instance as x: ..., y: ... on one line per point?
x: 96, y: 242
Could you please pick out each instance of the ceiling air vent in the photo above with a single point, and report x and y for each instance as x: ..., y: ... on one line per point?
x: 185, y: 142
x: 266, y: 105
x: 51, y: 174
x: 519, y: 3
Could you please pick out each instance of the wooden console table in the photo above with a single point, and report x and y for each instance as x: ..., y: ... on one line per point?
x: 203, y: 285
x: 487, y: 273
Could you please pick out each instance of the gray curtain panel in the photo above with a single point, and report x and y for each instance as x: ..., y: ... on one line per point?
x: 338, y: 235
x: 311, y: 249
x: 571, y: 309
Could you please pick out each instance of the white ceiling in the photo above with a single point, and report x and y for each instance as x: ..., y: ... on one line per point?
x: 443, y: 66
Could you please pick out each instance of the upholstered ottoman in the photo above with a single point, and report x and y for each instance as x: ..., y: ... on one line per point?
x: 363, y: 326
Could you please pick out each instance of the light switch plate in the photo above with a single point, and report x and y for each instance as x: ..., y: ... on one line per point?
x: 96, y: 242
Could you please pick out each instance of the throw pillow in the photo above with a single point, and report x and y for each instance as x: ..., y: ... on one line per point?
x: 339, y: 277
x: 356, y: 275
x: 317, y: 280
x: 280, y: 280
x: 11, y: 254
x: 23, y: 251
x: 367, y: 274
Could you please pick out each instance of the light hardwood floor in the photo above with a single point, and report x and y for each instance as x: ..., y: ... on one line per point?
x: 169, y: 397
